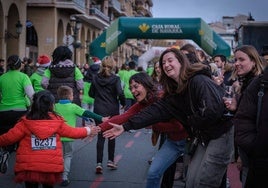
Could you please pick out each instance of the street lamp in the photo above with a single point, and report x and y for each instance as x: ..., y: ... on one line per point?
x: 76, y: 25
x: 9, y: 35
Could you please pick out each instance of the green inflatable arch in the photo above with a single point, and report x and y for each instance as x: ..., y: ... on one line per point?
x: 125, y: 28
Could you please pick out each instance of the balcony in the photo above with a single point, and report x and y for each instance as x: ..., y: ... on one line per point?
x: 75, y: 6
x: 96, y: 12
x: 95, y: 18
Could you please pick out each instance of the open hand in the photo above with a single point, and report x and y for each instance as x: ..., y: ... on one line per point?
x: 113, y: 132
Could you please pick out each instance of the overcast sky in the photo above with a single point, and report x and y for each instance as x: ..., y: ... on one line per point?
x: 210, y: 10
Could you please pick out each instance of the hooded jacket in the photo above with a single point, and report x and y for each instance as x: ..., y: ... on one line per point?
x: 108, y: 93
x: 40, y: 148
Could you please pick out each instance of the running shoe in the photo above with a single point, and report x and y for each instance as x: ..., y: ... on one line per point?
x: 111, y: 165
x: 65, y: 183
x: 99, y: 168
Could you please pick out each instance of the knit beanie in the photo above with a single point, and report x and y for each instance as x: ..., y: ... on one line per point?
x: 43, y: 61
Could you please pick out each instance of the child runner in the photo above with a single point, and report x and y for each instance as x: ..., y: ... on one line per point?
x: 39, y: 157
x: 69, y: 111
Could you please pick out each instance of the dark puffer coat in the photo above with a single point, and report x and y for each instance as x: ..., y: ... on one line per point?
x: 63, y: 75
x: 250, y: 137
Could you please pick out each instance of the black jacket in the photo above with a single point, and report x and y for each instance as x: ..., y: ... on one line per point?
x: 108, y: 94
x: 251, y: 139
x: 204, y: 119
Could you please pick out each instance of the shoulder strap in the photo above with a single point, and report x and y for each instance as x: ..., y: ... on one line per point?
x: 263, y: 88
x: 260, y: 95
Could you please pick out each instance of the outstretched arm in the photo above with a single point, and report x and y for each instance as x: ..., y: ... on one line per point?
x: 114, y: 132
x: 160, y: 111
x: 157, y: 112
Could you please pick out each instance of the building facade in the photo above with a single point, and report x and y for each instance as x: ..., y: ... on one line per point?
x: 47, y: 24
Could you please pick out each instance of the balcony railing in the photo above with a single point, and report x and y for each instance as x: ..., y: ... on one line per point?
x: 78, y: 3
x: 98, y: 13
x: 74, y: 4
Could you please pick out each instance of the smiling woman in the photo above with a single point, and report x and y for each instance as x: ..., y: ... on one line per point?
x: 145, y: 92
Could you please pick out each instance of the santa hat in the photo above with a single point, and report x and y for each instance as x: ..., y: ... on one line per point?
x: 96, y: 60
x: 43, y: 61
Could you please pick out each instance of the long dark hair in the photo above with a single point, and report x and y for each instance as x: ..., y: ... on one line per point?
x: 43, y: 103
x: 147, y: 82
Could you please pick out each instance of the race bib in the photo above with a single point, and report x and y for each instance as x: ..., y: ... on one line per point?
x: 43, y: 144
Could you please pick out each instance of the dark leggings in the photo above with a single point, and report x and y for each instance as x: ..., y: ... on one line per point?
x: 100, y: 147
x: 35, y: 185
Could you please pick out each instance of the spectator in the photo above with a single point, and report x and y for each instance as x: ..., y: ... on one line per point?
x: 250, y: 124
x: 191, y: 52
x: 223, y: 71
x: 85, y: 69
x: 264, y: 54
x: 202, y: 57
x: 248, y: 65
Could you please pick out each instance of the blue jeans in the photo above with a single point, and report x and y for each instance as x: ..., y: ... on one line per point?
x: 209, y: 163
x: 165, y: 156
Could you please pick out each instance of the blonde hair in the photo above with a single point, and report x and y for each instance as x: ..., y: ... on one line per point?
x: 107, y: 66
x: 254, y: 56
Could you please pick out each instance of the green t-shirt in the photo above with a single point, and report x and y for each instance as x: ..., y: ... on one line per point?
x: 70, y: 111
x: 12, y: 88
x: 125, y: 78
x: 86, y: 99
x: 36, y: 81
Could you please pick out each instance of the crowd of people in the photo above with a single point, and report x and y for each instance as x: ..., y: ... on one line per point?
x: 183, y: 101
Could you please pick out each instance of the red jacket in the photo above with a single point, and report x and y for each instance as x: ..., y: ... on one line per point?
x: 33, y: 154
x: 172, y: 128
